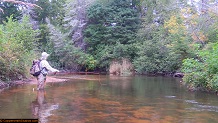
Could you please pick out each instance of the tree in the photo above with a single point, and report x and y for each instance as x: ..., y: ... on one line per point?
x: 75, y: 21
x: 16, y: 48
x: 43, y: 13
x: 111, y: 28
x: 51, y: 13
x: 201, y: 70
x: 153, y: 52
x: 9, y: 9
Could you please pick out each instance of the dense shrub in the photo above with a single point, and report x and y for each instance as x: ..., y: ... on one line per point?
x: 16, y: 48
x: 202, y: 72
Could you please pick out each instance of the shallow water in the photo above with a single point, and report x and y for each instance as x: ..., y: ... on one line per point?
x: 110, y: 99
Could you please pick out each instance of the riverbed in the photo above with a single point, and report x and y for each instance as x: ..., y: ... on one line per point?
x: 109, y: 99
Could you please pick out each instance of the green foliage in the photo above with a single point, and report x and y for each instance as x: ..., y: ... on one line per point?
x: 72, y: 58
x: 103, y: 55
x: 202, y: 72
x: 90, y: 62
x: 153, y: 55
x: 156, y: 11
x: 50, y: 9
x: 57, y: 12
x: 155, y: 47
x: 180, y: 46
x: 213, y: 30
x: 43, y: 37
x: 96, y: 14
x: 16, y: 48
x: 64, y: 54
x: 111, y: 31
x: 8, y: 10
x: 44, y: 12
x: 201, y: 69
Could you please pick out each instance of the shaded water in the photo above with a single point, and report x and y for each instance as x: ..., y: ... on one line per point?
x: 110, y: 99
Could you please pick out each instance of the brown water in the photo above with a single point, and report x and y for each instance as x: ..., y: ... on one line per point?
x: 110, y: 99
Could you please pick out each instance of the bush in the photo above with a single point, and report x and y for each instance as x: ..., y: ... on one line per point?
x: 16, y: 49
x: 202, y: 72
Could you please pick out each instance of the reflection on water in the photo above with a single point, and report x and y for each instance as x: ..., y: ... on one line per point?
x: 40, y: 108
x: 110, y: 99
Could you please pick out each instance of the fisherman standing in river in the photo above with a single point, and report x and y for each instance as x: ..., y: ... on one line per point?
x: 45, y: 68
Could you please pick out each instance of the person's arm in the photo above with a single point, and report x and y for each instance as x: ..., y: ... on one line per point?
x: 49, y: 68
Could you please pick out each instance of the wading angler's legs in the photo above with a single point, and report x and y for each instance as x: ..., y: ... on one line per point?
x: 41, y: 81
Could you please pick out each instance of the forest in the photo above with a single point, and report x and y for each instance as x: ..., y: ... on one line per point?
x: 140, y: 36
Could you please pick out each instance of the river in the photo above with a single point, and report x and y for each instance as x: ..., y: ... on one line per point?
x: 110, y: 99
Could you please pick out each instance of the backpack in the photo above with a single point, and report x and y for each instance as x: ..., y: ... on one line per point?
x: 35, y: 69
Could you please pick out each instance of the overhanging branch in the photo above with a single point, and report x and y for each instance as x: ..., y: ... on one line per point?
x: 20, y: 2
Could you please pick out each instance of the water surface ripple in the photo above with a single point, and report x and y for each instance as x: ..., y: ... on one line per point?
x: 110, y: 99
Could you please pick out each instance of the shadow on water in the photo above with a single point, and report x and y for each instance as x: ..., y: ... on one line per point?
x: 110, y: 99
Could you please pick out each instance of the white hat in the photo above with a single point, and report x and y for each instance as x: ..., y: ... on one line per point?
x: 44, y: 55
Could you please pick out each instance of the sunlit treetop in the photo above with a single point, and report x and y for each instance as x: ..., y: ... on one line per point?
x: 174, y: 25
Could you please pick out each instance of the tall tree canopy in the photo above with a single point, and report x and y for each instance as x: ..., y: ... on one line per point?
x: 111, y: 30
x: 9, y: 9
